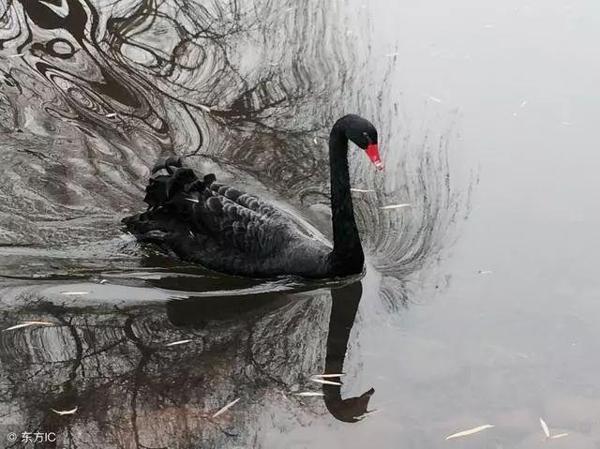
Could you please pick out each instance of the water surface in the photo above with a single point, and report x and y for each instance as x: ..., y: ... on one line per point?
x: 477, y: 306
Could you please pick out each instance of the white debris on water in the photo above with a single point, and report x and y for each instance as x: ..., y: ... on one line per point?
x: 27, y: 324
x: 545, y: 428
x: 178, y: 342
x: 394, y: 206
x: 75, y: 293
x: 308, y: 394
x: 65, y: 412
x: 324, y: 382
x: 371, y: 412
x: 468, y: 432
x: 224, y: 409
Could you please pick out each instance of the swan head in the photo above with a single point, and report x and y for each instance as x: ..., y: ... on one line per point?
x: 362, y: 132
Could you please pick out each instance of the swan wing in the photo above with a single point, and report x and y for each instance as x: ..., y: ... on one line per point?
x: 235, y: 218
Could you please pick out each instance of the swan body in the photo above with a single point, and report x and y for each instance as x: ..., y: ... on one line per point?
x: 230, y: 231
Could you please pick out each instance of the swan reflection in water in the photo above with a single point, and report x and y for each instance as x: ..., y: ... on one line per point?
x: 131, y: 389
x: 344, y: 306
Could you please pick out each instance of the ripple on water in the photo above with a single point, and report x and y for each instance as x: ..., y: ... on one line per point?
x: 91, y: 97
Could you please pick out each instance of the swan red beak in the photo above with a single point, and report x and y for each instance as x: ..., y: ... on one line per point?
x: 373, y: 153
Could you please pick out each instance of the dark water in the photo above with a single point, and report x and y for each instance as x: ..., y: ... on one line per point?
x: 457, y: 323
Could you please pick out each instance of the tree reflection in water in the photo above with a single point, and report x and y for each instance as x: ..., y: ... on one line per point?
x: 132, y: 390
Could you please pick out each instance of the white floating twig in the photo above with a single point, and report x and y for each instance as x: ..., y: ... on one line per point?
x: 27, y: 324
x: 394, y: 206
x: 325, y: 376
x: 560, y: 435
x: 192, y: 200
x: 75, y: 293
x: 437, y: 100
x: 545, y: 428
x: 309, y: 394
x: 224, y: 409
x: 468, y: 432
x: 324, y: 382
x: 205, y: 108
x: 362, y: 190
x: 178, y: 342
x: 65, y: 412
x: 371, y: 412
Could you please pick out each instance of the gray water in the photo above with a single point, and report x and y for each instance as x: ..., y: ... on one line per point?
x: 477, y: 305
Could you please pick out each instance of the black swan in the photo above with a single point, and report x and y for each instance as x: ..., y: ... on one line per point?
x: 226, y: 230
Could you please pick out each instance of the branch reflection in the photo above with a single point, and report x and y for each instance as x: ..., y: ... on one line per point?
x: 132, y: 387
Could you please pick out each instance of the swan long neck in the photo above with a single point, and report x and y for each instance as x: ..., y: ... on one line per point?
x: 347, y: 255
